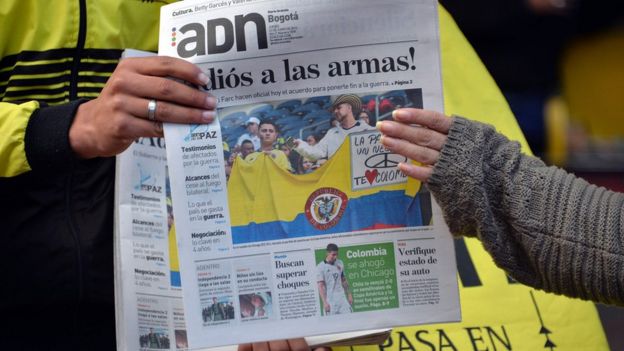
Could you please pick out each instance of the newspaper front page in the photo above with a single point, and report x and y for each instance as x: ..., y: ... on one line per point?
x: 148, y: 290
x: 291, y: 218
x: 150, y: 312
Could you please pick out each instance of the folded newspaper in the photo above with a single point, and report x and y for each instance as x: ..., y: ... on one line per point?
x: 291, y: 218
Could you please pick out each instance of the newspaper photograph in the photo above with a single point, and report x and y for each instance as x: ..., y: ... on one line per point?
x: 291, y: 218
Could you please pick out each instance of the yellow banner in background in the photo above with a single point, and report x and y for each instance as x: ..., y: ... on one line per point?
x: 497, y: 314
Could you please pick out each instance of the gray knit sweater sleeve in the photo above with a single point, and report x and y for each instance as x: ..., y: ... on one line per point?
x: 545, y: 227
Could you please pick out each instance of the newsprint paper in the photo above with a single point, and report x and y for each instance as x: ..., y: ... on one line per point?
x: 291, y: 218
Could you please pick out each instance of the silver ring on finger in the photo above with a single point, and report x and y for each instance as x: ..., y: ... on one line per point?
x: 151, y: 110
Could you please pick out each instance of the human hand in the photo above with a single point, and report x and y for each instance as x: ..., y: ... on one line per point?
x: 108, y: 124
x: 418, y: 135
x: 350, y: 298
x: 277, y: 345
x: 326, y: 307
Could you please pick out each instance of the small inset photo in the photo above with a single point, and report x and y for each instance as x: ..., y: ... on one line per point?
x: 256, y: 305
x: 181, y: 339
x: 221, y: 308
x: 356, y: 278
x: 154, y: 338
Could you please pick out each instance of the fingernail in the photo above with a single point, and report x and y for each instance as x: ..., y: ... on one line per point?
x: 211, y: 101
x: 387, y: 141
x: 398, y: 114
x: 385, y: 126
x: 405, y: 167
x: 204, y: 78
x: 208, y: 116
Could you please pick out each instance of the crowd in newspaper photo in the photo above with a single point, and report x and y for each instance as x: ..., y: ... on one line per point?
x: 325, y: 122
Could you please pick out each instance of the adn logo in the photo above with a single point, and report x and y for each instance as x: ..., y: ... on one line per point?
x: 200, y: 40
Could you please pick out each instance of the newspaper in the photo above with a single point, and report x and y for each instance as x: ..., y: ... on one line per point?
x: 148, y: 289
x: 297, y: 239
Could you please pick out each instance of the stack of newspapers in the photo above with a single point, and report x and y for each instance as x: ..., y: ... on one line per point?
x: 285, y: 217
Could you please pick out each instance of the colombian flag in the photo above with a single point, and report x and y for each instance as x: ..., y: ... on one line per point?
x: 269, y: 203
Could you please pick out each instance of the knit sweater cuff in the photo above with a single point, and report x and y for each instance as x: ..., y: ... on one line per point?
x: 47, y: 137
x: 450, y: 151
x: 457, y: 161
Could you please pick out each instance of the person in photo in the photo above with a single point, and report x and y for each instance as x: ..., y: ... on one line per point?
x: 262, y: 304
x: 332, y: 284
x: 216, y: 312
x: 344, y: 110
x: 252, y: 125
x: 268, y: 136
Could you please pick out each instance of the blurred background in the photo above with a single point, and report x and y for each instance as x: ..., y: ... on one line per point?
x: 560, y: 65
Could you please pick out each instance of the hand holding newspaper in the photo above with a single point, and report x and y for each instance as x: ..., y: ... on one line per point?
x: 291, y: 219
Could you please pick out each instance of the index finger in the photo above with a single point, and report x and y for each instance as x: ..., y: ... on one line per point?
x: 299, y: 344
x: 165, y: 66
x: 431, y: 119
x: 279, y: 345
